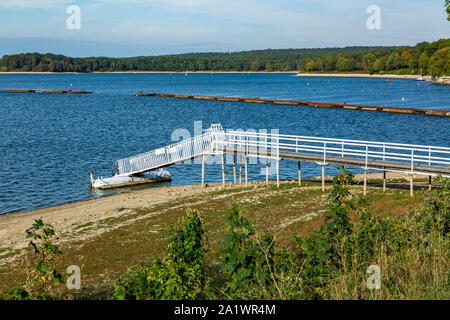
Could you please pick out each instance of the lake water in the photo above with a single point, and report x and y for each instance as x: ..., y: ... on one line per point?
x: 49, y: 142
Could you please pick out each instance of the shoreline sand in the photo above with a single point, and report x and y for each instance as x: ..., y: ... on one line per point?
x: 66, y: 218
x: 360, y: 75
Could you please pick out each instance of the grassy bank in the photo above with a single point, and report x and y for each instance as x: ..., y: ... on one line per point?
x: 141, y: 234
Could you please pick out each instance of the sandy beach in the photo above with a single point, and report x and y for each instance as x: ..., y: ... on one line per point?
x: 65, y: 218
x: 360, y: 75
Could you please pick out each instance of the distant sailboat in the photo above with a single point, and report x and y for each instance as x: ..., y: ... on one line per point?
x: 421, y: 76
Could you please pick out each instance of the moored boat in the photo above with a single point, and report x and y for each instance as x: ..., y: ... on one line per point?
x: 122, y: 180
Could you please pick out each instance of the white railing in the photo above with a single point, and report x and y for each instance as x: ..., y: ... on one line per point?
x: 273, y: 144
x: 216, y: 140
x: 171, y: 154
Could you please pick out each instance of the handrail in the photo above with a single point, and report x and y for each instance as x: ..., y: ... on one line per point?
x: 215, y: 139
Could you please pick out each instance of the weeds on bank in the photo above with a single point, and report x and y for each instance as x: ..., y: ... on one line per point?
x: 411, y: 252
x: 44, y: 277
x: 331, y: 263
x: 179, y: 275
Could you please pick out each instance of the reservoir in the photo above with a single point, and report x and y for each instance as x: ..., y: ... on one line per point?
x: 49, y: 142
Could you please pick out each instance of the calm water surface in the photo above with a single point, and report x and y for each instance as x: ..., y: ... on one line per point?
x: 49, y: 142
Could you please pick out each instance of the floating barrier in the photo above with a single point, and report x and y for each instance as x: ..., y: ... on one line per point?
x: 17, y: 90
x: 398, y: 110
x: 44, y: 91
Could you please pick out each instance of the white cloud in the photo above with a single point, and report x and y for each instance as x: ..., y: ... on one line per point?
x: 23, y: 4
x: 254, y: 9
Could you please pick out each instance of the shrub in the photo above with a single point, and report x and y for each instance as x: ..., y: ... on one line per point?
x: 252, y: 266
x: 44, y: 277
x: 179, y: 275
x: 245, y: 260
x: 331, y: 263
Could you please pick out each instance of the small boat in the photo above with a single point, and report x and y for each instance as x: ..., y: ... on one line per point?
x: 122, y: 180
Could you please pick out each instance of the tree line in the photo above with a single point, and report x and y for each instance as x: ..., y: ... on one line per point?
x: 427, y: 58
x: 424, y: 58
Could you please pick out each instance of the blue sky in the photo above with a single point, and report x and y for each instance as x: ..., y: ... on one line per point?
x: 152, y: 27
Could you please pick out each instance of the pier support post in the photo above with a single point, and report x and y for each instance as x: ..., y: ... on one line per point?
x: 299, y: 174
x: 411, y: 185
x: 240, y: 169
x: 203, y: 171
x: 323, y: 177
x: 246, y: 171
x: 223, y: 170
x: 429, y: 183
x: 278, y: 173
x: 365, y: 182
x: 267, y: 171
x: 91, y: 179
x: 234, y: 167
x: 384, y: 181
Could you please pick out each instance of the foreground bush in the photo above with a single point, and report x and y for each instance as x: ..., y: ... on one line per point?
x: 338, y: 261
x: 179, y: 275
x: 43, y: 278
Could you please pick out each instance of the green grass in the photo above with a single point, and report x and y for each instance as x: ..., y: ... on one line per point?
x: 81, y: 226
x: 288, y: 211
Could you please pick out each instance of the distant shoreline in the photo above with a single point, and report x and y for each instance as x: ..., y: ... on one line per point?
x: 360, y: 75
x: 341, y: 75
x: 141, y: 72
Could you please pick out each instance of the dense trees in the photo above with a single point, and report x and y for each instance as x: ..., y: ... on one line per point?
x: 439, y: 63
x: 425, y: 58
x: 447, y: 7
x: 417, y: 59
x: 270, y: 60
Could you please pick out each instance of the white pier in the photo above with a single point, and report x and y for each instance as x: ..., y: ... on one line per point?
x: 406, y: 158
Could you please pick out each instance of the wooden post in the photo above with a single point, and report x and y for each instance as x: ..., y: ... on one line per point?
x: 384, y: 181
x: 223, y: 170
x: 234, y: 167
x: 91, y: 179
x: 411, y: 186
x: 299, y: 174
x: 278, y: 173
x: 365, y: 182
x: 246, y: 171
x: 323, y: 177
x: 267, y: 171
x: 429, y: 183
x: 240, y: 170
x: 203, y: 171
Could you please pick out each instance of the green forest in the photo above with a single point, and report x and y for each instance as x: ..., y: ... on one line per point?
x: 424, y: 58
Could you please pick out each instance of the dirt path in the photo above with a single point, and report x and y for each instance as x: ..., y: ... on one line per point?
x: 65, y: 217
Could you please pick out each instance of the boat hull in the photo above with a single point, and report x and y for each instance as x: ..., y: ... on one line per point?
x: 119, y: 181
x: 131, y: 183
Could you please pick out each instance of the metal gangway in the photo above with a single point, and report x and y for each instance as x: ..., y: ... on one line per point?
x: 407, y: 158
